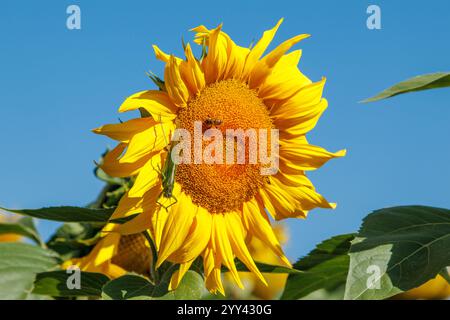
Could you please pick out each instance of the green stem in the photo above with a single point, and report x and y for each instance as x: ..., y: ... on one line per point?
x: 153, y: 272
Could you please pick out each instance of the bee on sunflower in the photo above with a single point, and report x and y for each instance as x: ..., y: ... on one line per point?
x: 214, y: 210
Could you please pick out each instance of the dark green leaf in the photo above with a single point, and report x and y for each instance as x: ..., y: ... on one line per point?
x: 423, y: 82
x: 398, y: 249
x: 102, y: 175
x: 326, y: 250
x: 266, y: 268
x: 325, y: 267
x: 158, y: 82
x: 66, y: 214
x: 128, y: 287
x: 139, y: 288
x: 74, y: 239
x: 55, y: 284
x: 24, y: 227
x: 19, y: 264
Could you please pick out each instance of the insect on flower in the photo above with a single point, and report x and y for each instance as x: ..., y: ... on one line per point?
x: 209, y: 122
x: 168, y: 172
x: 168, y: 179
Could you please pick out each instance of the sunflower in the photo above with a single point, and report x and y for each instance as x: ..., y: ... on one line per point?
x: 114, y: 254
x: 214, y: 210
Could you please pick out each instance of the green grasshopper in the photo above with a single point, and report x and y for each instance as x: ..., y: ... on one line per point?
x: 168, y: 179
x: 167, y: 175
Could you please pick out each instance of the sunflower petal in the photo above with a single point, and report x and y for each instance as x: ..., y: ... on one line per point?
x: 258, y: 50
x: 124, y: 131
x: 236, y: 238
x: 264, y: 67
x: 177, y: 227
x: 211, y: 266
x: 260, y: 226
x: 111, y: 165
x: 192, y: 73
x: 222, y: 247
x: 215, y: 62
x: 280, y: 203
x: 284, y: 80
x: 301, y: 157
x: 157, y: 103
x: 197, y: 239
x: 175, y: 85
x: 106, y: 248
x: 148, y: 141
x: 161, y: 55
x: 148, y: 177
x: 302, y: 199
x: 303, y: 101
x: 297, y: 179
x: 236, y: 55
x: 127, y: 207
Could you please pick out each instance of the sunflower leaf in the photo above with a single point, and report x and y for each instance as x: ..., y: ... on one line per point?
x: 74, y: 239
x: 127, y: 287
x: 191, y: 287
x: 419, y: 83
x: 19, y: 264
x: 265, y: 268
x: 102, y: 175
x: 135, y: 287
x: 325, y: 267
x: 58, y: 284
x: 398, y: 249
x: 66, y: 214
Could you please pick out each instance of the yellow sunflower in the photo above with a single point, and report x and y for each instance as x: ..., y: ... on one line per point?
x: 214, y: 209
x: 115, y: 254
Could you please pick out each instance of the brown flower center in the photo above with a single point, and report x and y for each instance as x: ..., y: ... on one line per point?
x: 133, y: 255
x: 225, y: 105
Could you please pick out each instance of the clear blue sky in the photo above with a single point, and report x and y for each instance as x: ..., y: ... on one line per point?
x: 57, y: 84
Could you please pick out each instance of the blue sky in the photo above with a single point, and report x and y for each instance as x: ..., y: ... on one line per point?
x: 57, y: 84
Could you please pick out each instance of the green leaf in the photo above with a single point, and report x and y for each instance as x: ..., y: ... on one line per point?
x: 102, y: 175
x: 55, y: 284
x: 419, y: 83
x: 127, y: 287
x: 266, y: 268
x: 191, y: 287
x: 74, y: 239
x: 19, y: 264
x: 398, y: 249
x: 134, y: 287
x: 24, y: 227
x: 325, y: 267
x: 158, y: 82
x: 66, y: 214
